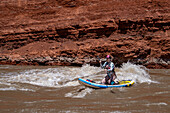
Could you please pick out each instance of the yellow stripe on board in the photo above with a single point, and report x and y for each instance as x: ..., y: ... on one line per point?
x: 124, y: 82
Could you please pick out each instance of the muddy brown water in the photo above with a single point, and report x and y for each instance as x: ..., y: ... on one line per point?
x: 56, y: 89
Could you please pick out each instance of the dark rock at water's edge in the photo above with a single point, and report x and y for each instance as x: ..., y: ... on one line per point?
x: 67, y: 32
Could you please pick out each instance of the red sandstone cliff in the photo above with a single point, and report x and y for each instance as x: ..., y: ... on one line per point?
x: 74, y: 32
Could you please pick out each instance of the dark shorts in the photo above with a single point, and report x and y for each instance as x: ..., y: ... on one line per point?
x: 109, y: 76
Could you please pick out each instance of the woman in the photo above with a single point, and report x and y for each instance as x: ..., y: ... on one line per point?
x: 110, y: 69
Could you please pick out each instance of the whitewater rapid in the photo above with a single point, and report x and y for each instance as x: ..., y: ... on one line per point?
x: 25, y: 78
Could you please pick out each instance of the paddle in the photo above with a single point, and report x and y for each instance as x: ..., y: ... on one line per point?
x: 98, y: 58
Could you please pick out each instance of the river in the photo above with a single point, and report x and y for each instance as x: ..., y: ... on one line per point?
x: 56, y: 89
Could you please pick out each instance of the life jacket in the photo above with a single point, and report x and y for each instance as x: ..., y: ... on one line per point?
x: 108, y: 65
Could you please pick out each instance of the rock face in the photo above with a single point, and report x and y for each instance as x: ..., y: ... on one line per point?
x: 74, y: 32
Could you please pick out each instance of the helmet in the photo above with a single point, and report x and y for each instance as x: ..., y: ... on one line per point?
x: 108, y: 57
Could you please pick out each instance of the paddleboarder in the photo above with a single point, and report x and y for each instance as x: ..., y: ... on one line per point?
x: 110, y: 69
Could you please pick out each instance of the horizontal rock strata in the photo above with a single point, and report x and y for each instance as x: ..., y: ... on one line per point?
x: 75, y: 32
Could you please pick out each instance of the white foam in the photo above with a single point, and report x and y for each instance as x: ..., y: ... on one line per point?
x: 16, y: 89
x: 5, y: 83
x: 67, y: 76
x: 22, y: 89
x: 164, y: 92
x: 157, y: 104
x: 54, y: 77
x: 30, y: 102
x: 8, y: 89
x: 138, y: 73
x: 69, y: 94
x: 83, y: 93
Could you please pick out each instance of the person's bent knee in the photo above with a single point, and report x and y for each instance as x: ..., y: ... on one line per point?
x: 103, y: 81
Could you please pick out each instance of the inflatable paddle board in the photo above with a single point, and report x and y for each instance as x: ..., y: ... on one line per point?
x: 93, y: 84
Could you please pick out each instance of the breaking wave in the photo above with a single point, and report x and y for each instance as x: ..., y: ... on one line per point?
x: 50, y: 77
x: 138, y: 73
x: 61, y: 76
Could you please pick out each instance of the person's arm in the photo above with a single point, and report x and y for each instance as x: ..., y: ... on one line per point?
x: 102, y: 66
